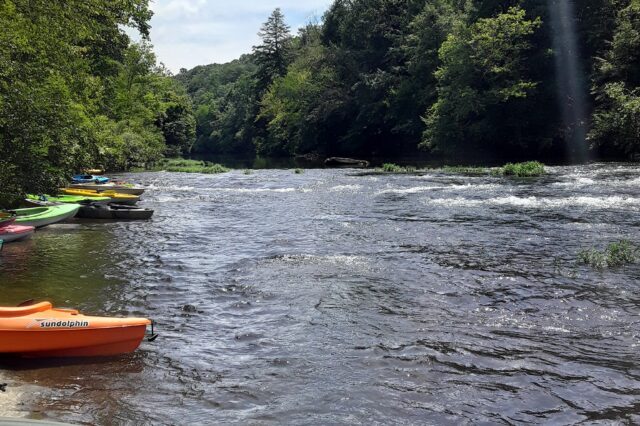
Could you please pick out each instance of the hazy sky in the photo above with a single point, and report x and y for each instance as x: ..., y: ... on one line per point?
x: 186, y: 33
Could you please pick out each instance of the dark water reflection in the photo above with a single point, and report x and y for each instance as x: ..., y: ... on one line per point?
x: 329, y: 297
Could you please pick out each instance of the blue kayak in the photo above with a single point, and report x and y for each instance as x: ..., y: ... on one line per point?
x: 89, y: 179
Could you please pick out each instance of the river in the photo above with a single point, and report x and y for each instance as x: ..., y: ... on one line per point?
x: 336, y: 297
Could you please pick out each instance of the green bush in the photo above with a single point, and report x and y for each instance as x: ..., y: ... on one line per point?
x: 528, y: 169
x: 616, y: 254
x: 394, y: 168
x: 465, y: 170
x: 179, y: 165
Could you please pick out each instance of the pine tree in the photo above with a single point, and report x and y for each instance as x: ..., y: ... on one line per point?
x: 273, y: 55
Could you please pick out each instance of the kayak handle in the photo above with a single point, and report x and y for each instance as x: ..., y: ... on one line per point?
x: 153, y: 336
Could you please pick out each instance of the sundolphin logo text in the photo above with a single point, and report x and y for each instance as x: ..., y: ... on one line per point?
x: 53, y: 323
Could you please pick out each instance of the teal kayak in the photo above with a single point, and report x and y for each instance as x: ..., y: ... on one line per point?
x: 43, y: 216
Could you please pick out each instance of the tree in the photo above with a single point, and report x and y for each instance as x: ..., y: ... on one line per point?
x: 616, y: 120
x: 483, y: 86
x: 274, y: 54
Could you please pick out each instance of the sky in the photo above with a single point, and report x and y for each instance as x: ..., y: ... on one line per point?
x: 186, y: 33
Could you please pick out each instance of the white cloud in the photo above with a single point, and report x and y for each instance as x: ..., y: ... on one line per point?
x: 187, y: 33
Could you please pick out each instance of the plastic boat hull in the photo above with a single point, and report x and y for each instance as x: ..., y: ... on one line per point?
x: 116, y: 197
x: 123, y: 189
x: 114, y: 212
x: 43, y: 216
x: 12, y: 233
x: 39, y: 330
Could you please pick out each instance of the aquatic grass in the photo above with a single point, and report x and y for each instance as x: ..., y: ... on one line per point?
x: 394, y: 168
x: 298, y: 171
x: 527, y: 169
x: 464, y: 170
x: 616, y: 254
x: 181, y: 165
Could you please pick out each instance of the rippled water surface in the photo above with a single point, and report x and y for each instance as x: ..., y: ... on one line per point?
x: 333, y: 297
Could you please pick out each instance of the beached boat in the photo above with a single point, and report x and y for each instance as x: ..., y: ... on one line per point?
x: 9, y: 233
x: 118, y: 187
x: 6, y: 218
x: 94, y: 171
x: 89, y: 179
x: 116, y: 197
x: 39, y: 330
x: 114, y: 211
x: 47, y: 200
x: 45, y: 215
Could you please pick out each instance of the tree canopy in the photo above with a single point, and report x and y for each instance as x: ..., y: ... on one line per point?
x: 75, y: 92
x: 454, y: 77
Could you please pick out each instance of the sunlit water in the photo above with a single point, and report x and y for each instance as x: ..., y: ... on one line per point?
x: 330, y: 297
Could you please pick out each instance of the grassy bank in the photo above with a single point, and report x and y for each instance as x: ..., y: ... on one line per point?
x: 181, y: 165
x: 527, y: 169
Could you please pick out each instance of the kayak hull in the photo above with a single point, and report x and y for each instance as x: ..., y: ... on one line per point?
x: 39, y: 331
x: 43, y: 216
x: 116, y: 197
x: 114, y: 212
x: 46, y: 200
x: 123, y: 189
x: 73, y: 343
x: 90, y: 179
x: 12, y: 233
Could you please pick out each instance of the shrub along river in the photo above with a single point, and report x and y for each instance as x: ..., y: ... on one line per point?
x: 336, y: 297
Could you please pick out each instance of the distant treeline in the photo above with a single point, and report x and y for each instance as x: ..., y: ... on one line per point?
x: 387, y: 77
x: 75, y: 92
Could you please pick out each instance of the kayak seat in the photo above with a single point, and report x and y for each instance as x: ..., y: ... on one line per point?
x: 25, y: 310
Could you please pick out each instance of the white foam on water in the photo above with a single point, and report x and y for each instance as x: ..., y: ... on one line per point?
x: 341, y: 259
x: 451, y: 188
x: 341, y: 188
x: 581, y: 182
x: 413, y: 190
x: 577, y: 183
x: 542, y: 203
x: 260, y: 190
x: 165, y: 188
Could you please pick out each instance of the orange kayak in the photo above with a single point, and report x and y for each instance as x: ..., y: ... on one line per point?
x: 39, y: 330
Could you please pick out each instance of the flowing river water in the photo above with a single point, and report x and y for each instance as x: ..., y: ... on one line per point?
x: 335, y: 297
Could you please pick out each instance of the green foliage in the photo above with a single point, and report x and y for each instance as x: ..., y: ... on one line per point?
x: 74, y: 93
x: 464, y: 170
x: 616, y: 254
x: 483, y: 80
x: 394, y: 168
x: 224, y: 98
x: 274, y: 54
x: 528, y: 169
x: 180, y: 165
x: 616, y: 120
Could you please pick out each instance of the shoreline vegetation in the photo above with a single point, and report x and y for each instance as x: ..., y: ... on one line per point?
x: 371, y: 79
x: 522, y: 170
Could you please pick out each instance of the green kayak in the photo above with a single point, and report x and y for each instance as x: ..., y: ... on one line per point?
x: 43, y: 216
x: 66, y: 199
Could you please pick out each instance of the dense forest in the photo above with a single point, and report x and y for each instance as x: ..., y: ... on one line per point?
x: 75, y: 92
x: 463, y: 78
x: 448, y: 77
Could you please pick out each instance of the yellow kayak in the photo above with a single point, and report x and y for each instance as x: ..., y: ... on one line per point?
x: 116, y: 197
